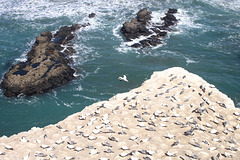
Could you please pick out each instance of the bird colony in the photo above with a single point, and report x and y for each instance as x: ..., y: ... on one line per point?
x: 173, y: 115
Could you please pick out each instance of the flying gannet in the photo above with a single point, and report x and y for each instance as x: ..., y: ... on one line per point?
x: 123, y: 78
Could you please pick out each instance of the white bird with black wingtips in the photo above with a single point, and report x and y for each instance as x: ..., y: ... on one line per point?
x: 123, y: 78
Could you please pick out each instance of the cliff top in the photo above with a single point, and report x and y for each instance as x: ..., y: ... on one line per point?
x: 173, y: 115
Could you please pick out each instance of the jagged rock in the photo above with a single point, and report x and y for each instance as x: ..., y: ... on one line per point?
x: 144, y: 16
x: 169, y: 19
x: 91, y: 15
x: 139, y: 27
x: 172, y: 10
x: 46, y: 66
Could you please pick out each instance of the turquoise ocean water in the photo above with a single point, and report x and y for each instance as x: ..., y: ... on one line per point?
x: 206, y: 42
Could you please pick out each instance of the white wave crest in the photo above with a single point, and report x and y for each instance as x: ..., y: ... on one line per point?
x: 32, y: 9
x: 186, y: 21
x: 23, y: 56
x: 188, y: 61
x: 232, y: 5
x: 86, y: 97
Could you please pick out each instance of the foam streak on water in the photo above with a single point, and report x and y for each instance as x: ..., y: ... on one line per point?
x: 233, y: 5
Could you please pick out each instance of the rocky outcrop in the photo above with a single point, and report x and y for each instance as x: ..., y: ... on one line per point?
x: 142, y: 26
x: 46, y: 66
x: 91, y: 15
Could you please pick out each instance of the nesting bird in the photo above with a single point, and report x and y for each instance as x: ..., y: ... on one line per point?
x: 171, y: 154
x: 212, y: 148
x: 59, y: 142
x: 106, y: 144
x: 70, y: 146
x: 175, y: 143
x: 44, y: 146
x: 112, y: 139
x: 214, y: 131
x: 9, y: 147
x: 69, y: 158
x: 2, y: 153
x: 191, y: 155
x: 124, y: 154
x: 169, y: 136
x: 78, y: 149
x: 24, y: 140
x: 195, y: 144
x: 125, y: 148
x: 108, y: 151
x: 52, y: 155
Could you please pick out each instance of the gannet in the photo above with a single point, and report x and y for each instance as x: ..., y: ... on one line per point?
x: 123, y: 78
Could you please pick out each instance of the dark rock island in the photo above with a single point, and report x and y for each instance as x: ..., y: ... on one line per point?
x: 46, y: 66
x: 142, y: 26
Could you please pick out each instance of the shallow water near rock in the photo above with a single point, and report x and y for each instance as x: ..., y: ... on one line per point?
x: 206, y: 42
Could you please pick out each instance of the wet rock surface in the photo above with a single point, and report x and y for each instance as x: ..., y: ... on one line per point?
x: 91, y: 15
x: 153, y: 32
x: 46, y: 66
